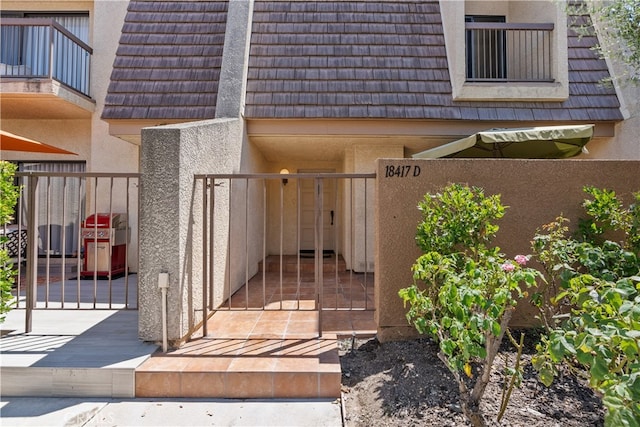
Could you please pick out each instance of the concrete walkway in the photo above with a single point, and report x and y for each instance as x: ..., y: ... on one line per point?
x: 107, y: 339
x: 44, y: 412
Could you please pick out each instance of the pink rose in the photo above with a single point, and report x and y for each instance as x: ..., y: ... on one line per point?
x: 507, y: 266
x: 521, y: 259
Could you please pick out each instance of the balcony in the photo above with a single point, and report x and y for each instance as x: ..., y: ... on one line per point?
x: 507, y: 52
x: 44, y: 71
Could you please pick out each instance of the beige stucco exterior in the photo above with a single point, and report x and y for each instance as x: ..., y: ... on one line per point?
x: 267, y: 146
x: 535, y: 191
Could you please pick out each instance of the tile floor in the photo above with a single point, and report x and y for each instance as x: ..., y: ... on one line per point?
x: 265, y: 342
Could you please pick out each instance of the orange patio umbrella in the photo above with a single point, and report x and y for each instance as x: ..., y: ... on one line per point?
x: 11, y: 142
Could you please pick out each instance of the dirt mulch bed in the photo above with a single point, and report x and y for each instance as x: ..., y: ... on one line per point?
x: 405, y: 384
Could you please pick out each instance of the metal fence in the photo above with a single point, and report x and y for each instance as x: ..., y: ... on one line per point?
x: 75, y: 241
x: 299, y: 241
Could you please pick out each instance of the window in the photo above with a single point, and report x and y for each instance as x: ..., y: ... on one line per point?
x: 62, y: 218
x: 486, y: 49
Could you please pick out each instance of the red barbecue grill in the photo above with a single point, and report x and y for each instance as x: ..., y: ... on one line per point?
x: 104, y: 238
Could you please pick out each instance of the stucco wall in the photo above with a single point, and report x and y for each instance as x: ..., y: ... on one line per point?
x: 170, y: 217
x: 536, y: 191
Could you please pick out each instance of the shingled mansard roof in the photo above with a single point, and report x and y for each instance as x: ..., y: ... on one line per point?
x: 167, y: 65
x: 387, y: 59
x: 321, y: 59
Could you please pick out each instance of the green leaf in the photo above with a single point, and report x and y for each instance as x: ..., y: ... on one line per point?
x: 556, y: 349
x: 620, y: 417
x: 633, y: 334
x: 546, y: 376
x: 584, y: 358
x: 447, y: 346
x: 599, y: 369
x: 495, y: 328
x: 568, y: 347
x: 629, y: 347
x: 560, y: 296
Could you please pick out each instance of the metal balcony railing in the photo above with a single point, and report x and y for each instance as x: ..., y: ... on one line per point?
x: 42, y: 48
x: 509, y: 52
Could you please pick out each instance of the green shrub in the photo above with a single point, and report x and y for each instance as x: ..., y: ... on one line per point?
x: 590, y: 304
x: 470, y: 289
x: 8, y: 197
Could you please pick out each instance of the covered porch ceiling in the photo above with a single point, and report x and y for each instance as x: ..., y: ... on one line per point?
x: 327, y: 140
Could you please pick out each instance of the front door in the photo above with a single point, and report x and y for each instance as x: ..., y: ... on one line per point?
x: 309, y: 196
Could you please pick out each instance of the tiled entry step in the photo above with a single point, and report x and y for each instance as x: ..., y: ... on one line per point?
x: 248, y: 354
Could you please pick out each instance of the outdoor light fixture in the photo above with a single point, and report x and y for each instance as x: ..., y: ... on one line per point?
x: 284, y: 171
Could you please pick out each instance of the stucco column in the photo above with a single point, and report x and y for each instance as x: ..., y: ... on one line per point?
x: 363, y: 199
x: 233, y: 72
x: 170, y: 213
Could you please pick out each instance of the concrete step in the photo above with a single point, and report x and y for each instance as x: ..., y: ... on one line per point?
x: 256, y: 368
x: 67, y: 382
x: 71, y: 353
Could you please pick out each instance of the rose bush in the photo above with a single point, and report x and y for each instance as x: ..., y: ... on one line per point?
x: 464, y: 290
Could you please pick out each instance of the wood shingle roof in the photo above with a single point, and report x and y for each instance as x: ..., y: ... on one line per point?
x: 321, y: 59
x: 387, y: 59
x: 168, y: 61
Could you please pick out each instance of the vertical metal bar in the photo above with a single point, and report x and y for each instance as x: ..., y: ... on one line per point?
x: 543, y: 55
x: 351, y: 239
x: 212, y: 204
x: 138, y: 210
x: 32, y: 253
x: 111, y: 231
x: 64, y: 239
x: 486, y: 51
x: 47, y: 249
x: 334, y: 223
x: 519, y: 50
x: 228, y: 275
x: 298, y: 244
x: 264, y: 242
x: 548, y: 55
x: 281, y: 236
x: 51, y: 51
x: 366, y: 255
x: 95, y: 241
x: 205, y: 248
x: 527, y: 57
x: 126, y: 244
x: 80, y: 263
x: 493, y: 41
x: 246, y: 236
x: 319, y: 225
x: 87, y: 74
